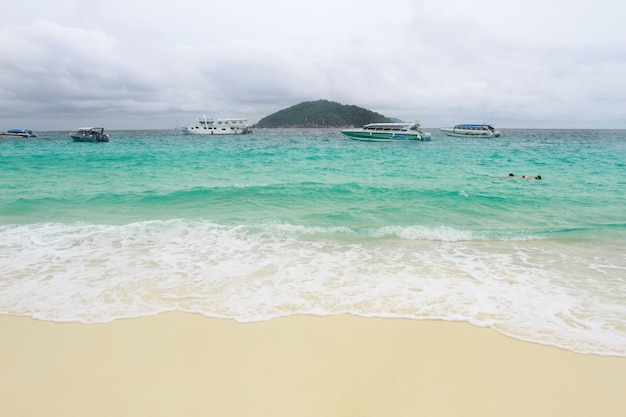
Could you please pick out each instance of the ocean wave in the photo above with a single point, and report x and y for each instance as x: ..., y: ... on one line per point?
x: 563, y: 293
x: 312, y: 203
x: 282, y: 230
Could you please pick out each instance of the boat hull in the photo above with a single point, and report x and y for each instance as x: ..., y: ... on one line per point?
x: 89, y: 138
x: 14, y: 135
x: 216, y: 131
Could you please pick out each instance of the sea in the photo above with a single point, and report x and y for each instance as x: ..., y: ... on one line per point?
x: 287, y: 222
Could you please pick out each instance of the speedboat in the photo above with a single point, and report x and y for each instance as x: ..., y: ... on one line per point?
x: 471, y: 130
x: 211, y: 126
x: 383, y: 132
x: 90, y: 134
x: 19, y: 133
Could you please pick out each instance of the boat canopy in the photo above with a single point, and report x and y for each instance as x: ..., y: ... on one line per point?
x: 91, y: 129
x: 473, y: 125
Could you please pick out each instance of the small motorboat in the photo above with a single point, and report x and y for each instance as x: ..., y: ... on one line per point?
x: 18, y: 133
x: 471, y: 130
x: 90, y: 134
x: 382, y: 132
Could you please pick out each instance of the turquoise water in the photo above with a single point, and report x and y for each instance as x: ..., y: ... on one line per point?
x: 285, y: 222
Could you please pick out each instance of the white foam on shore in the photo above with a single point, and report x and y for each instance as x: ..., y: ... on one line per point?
x: 566, y: 294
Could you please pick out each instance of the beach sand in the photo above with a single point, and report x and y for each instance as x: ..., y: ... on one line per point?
x: 184, y: 365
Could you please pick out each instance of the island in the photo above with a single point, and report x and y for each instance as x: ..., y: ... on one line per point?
x: 321, y: 114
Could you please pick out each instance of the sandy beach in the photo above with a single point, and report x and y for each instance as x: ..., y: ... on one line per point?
x: 185, y: 365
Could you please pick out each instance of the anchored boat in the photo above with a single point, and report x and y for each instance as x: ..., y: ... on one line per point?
x: 388, y: 132
x: 471, y: 130
x: 18, y: 133
x: 90, y: 134
x: 209, y: 126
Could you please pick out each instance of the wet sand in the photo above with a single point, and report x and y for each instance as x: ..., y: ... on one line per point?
x: 184, y: 365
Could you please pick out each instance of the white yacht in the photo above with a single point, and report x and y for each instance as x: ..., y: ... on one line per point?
x: 383, y: 132
x: 471, y: 130
x: 210, y: 126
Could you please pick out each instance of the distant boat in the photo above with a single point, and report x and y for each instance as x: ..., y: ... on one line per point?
x: 90, y: 134
x: 209, y: 126
x: 471, y: 130
x: 384, y: 132
x: 19, y: 133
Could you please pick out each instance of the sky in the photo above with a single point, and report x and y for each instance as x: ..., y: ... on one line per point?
x: 139, y: 64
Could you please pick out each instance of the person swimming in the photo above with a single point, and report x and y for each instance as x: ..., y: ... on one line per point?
x: 530, y: 177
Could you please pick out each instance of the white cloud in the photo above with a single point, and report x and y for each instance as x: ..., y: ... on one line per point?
x: 147, y: 64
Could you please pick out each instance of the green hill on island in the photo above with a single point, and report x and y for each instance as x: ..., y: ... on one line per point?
x: 321, y: 113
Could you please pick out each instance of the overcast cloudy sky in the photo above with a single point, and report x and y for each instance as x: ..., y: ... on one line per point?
x: 152, y: 64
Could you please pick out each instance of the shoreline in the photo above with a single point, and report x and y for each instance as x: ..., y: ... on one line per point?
x: 184, y: 364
